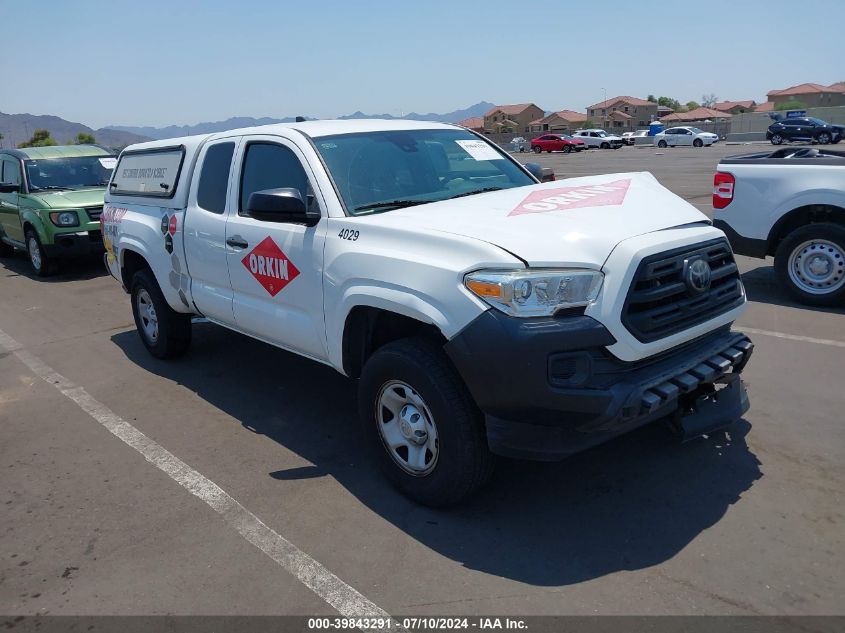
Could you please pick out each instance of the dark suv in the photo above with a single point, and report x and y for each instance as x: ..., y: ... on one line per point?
x: 804, y: 129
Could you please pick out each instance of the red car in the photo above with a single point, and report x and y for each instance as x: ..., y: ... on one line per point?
x: 557, y: 143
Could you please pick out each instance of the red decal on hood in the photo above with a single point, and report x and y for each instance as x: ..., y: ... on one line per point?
x: 600, y: 195
x: 270, y: 266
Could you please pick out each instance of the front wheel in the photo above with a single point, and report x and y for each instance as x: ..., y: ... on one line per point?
x: 698, y: 142
x: 661, y: 144
x: 163, y: 331
x: 777, y: 139
x: 42, y: 265
x: 605, y: 146
x: 810, y: 262
x: 567, y: 149
x: 422, y: 423
x: 823, y: 138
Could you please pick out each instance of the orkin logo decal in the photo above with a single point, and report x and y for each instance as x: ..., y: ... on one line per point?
x: 270, y: 266
x: 547, y: 200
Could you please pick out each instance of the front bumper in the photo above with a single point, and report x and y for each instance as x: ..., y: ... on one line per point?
x: 549, y: 389
x: 75, y: 244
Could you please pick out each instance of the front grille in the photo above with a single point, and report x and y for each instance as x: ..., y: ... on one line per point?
x: 94, y: 212
x: 659, y: 302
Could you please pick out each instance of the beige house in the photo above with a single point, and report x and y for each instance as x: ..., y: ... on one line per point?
x: 622, y: 114
x: 735, y: 107
x: 811, y: 95
x: 511, y: 119
x: 699, y: 114
x: 564, y: 122
x: 476, y: 123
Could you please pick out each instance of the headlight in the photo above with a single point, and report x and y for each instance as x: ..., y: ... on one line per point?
x: 64, y: 218
x: 539, y: 292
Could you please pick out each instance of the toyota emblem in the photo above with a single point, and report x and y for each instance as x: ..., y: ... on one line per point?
x: 697, y: 275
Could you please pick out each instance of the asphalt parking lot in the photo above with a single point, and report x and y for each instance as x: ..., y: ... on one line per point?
x: 747, y: 521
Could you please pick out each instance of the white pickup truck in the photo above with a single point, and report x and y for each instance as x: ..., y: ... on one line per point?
x: 789, y: 203
x: 481, y: 311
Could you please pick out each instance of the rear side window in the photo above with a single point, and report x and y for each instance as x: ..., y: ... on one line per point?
x: 150, y: 173
x: 214, y: 177
x: 11, y: 172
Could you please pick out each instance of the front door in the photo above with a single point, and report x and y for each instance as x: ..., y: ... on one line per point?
x: 276, y: 269
x: 205, y: 230
x: 10, y: 220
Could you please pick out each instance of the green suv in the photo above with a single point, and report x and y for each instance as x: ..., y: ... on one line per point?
x: 51, y: 199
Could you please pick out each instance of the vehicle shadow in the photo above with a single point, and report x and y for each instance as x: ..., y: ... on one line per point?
x: 71, y: 269
x: 762, y: 286
x: 626, y: 505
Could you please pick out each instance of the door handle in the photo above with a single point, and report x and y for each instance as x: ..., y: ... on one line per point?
x: 236, y: 241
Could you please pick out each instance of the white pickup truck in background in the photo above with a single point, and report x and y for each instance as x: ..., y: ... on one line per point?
x: 789, y: 203
x: 482, y: 312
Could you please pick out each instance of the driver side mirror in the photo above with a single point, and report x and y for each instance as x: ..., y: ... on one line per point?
x: 543, y: 174
x: 9, y: 187
x: 281, y: 205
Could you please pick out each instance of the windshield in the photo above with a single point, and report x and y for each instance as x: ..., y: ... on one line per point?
x: 817, y: 121
x: 68, y: 173
x: 379, y: 171
x: 696, y: 130
x: 602, y: 134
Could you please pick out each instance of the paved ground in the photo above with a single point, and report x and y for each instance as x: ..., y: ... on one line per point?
x: 744, y: 522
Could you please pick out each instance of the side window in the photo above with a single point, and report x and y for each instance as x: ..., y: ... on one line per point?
x: 11, y: 172
x: 271, y: 166
x: 214, y: 177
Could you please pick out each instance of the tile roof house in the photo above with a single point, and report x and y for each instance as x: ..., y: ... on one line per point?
x: 768, y: 106
x: 564, y: 121
x: 475, y: 123
x: 511, y: 119
x: 624, y: 113
x: 811, y: 95
x: 735, y: 107
x: 698, y: 114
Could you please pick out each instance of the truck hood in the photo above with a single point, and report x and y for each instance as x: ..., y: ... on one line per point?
x: 571, y: 222
x: 74, y: 199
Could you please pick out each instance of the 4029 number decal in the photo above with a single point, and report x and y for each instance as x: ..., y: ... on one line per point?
x: 348, y: 234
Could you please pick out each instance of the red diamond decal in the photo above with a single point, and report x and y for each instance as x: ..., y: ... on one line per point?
x: 171, y: 228
x: 270, y: 266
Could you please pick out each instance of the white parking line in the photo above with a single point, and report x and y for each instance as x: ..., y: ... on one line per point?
x: 344, y: 598
x: 793, y: 337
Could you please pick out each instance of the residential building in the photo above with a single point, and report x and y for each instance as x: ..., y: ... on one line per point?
x: 698, y: 114
x: 511, y: 119
x: 622, y: 114
x: 735, y: 107
x: 811, y: 95
x: 662, y: 111
x: 563, y: 122
x: 476, y: 123
x: 768, y: 106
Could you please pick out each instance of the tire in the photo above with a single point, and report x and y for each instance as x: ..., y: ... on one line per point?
x: 567, y: 149
x: 537, y: 149
x: 810, y: 262
x: 42, y: 265
x: 172, y: 329
x: 417, y: 372
x: 777, y: 139
x: 823, y: 138
x: 698, y: 142
x: 604, y: 146
x: 661, y: 144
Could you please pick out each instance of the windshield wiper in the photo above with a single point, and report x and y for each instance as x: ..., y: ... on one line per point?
x: 396, y: 204
x: 51, y: 188
x: 475, y: 191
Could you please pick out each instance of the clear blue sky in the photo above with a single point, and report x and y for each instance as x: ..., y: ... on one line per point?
x: 157, y: 62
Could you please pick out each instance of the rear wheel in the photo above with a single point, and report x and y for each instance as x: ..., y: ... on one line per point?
x: 661, y: 144
x: 810, y: 262
x: 777, y: 139
x: 423, y: 425
x: 42, y: 265
x: 698, y: 142
x: 163, y: 331
x: 823, y: 138
x: 537, y: 149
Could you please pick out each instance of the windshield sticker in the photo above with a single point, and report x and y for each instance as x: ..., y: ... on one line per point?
x: 270, y: 266
x: 558, y: 199
x: 108, y: 163
x: 480, y: 150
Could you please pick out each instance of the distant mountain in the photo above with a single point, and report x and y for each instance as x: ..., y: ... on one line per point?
x: 17, y: 128
x: 171, y: 131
